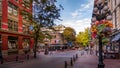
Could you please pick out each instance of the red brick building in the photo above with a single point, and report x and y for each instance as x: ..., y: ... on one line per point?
x: 14, y: 27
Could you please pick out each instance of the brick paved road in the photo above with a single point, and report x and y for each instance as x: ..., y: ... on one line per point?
x: 43, y: 61
x: 56, y: 60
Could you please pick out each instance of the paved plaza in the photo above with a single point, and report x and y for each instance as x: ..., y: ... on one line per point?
x: 57, y: 59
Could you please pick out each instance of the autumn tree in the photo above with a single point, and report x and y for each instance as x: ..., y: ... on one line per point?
x: 83, y: 38
x: 69, y: 34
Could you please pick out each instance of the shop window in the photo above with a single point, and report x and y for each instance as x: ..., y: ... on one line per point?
x: 12, y: 9
x: 26, y: 45
x: 12, y: 25
x: 12, y: 45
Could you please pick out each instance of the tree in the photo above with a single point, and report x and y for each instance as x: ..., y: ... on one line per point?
x: 83, y: 38
x: 69, y: 34
x: 44, y: 14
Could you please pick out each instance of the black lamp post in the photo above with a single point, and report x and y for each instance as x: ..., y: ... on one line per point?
x: 100, y: 12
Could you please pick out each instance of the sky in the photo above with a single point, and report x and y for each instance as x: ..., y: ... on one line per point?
x: 76, y: 14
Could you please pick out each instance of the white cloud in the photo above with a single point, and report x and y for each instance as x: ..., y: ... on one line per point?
x: 81, y: 18
x: 78, y: 25
x: 83, y: 8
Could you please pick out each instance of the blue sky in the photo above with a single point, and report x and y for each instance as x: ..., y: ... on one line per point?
x: 76, y: 14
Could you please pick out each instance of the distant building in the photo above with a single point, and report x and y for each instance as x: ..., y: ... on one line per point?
x: 14, y: 27
x: 56, y: 35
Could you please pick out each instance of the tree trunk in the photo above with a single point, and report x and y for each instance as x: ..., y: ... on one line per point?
x: 35, y: 47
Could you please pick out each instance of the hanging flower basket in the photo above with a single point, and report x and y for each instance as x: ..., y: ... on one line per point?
x: 102, y: 28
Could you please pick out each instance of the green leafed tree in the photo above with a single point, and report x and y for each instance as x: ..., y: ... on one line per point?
x: 83, y: 38
x: 69, y: 34
x: 45, y: 12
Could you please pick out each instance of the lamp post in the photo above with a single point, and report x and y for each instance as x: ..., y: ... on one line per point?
x: 100, y: 12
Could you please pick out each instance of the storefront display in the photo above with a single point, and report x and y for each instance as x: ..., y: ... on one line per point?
x: 26, y: 45
x: 12, y: 45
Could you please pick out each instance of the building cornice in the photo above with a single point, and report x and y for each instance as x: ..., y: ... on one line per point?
x: 14, y: 33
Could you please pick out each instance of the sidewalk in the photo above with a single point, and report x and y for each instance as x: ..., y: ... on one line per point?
x: 86, y: 61
x: 91, y: 61
x: 16, y: 58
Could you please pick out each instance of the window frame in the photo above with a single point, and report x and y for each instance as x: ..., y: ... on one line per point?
x: 12, y: 9
x: 12, y: 25
x: 25, y: 29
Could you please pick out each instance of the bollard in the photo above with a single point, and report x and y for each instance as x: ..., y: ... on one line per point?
x: 76, y: 56
x: 65, y: 64
x: 16, y: 58
x: 73, y: 58
x: 27, y: 57
x: 71, y: 62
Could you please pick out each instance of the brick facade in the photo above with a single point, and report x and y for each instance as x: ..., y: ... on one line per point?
x: 14, y: 27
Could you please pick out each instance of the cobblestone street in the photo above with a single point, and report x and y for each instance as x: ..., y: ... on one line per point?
x: 56, y: 60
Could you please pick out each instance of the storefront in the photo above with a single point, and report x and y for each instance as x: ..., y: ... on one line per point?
x: 116, y: 42
x: 15, y: 43
x: 12, y: 45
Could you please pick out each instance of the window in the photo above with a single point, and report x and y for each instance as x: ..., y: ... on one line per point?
x: 26, y: 4
x: 15, y: 26
x: 12, y: 25
x: 25, y: 15
x: 26, y: 45
x: 12, y: 9
x: 12, y: 45
x: 25, y: 29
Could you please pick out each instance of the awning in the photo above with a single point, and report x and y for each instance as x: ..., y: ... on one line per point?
x: 116, y: 38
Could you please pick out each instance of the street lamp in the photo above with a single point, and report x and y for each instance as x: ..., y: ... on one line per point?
x: 101, y: 13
